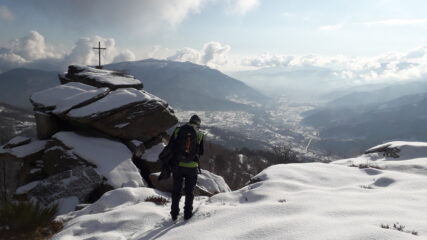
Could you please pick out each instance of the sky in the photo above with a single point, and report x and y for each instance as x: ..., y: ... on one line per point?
x: 230, y: 35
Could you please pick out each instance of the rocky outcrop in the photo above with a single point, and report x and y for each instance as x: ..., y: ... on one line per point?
x: 126, y: 114
x: 100, y: 78
x: 18, y: 159
x: 77, y: 182
x: 121, y: 111
x: 101, y: 131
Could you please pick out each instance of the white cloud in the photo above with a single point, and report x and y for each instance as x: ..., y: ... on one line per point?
x: 6, y: 14
x: 241, y: 7
x: 331, y: 27
x: 212, y: 54
x: 398, y: 22
x: 125, y: 56
x: 33, y: 51
x: 187, y: 54
x: 410, y: 65
x: 32, y: 47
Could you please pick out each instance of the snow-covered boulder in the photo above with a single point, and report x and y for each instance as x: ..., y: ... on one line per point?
x: 112, y: 159
x: 63, y: 98
x: 397, y: 155
x: 127, y: 114
x: 59, y: 157
x: 100, y: 78
x: 18, y: 159
x: 30, y: 151
x: 208, y: 184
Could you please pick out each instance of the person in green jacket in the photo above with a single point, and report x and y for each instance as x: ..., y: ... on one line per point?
x: 187, y: 145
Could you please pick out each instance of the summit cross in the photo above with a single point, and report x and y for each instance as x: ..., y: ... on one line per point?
x: 99, y: 48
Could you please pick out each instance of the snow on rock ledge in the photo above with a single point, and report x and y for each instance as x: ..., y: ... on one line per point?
x: 65, y: 97
x: 126, y: 114
x: 113, y: 159
x: 398, y: 155
x: 100, y: 78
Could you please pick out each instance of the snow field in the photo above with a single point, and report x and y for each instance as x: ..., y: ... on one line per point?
x: 293, y: 201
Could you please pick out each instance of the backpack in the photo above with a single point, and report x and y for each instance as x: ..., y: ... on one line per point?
x: 186, y: 145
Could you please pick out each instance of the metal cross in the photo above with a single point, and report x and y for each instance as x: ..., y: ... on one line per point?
x: 99, y: 48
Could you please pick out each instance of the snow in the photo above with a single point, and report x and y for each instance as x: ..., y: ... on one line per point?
x: 18, y: 140
x: 66, y: 205
x: 64, y: 97
x: 26, y: 150
x: 293, y: 201
x: 113, y: 159
x: 211, y: 182
x: 412, y: 157
x: 106, y: 76
x: 26, y: 187
x: 114, y: 100
x: 152, y: 154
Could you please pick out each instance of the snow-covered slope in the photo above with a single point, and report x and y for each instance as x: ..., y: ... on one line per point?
x: 293, y: 201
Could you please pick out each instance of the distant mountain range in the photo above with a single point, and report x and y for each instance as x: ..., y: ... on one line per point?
x: 17, y: 85
x: 355, y: 121
x: 191, y: 86
x: 182, y: 84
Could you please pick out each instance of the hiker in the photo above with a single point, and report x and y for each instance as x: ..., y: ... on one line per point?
x: 183, y: 152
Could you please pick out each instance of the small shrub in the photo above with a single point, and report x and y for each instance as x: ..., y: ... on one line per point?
x: 27, y: 220
x: 157, y: 200
x: 26, y: 216
x: 366, y: 165
x: 399, y: 227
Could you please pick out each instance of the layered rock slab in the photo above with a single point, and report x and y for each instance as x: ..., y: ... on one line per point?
x: 127, y: 114
x: 62, y: 98
x: 100, y: 78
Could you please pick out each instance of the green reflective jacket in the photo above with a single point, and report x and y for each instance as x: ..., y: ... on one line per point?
x: 200, y: 135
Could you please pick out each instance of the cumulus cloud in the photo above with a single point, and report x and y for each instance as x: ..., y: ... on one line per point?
x: 6, y: 14
x: 212, y: 54
x: 397, y: 66
x: 33, y: 51
x: 241, y: 7
x: 32, y: 47
x: 125, y: 56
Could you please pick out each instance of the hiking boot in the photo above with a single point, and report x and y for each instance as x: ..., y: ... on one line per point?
x: 174, y: 217
x: 187, y: 215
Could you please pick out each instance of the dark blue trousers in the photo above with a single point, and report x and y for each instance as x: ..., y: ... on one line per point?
x: 188, y: 176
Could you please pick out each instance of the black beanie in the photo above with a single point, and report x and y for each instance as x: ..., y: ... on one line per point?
x: 195, y: 119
